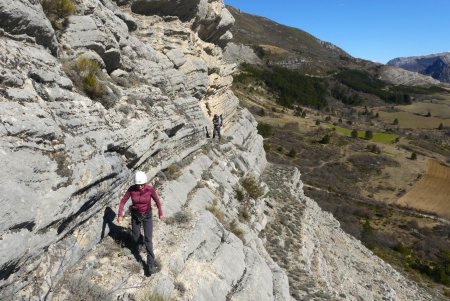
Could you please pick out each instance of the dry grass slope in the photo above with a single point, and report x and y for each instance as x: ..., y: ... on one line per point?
x: 432, y: 192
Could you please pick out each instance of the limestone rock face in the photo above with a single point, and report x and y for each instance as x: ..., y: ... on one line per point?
x: 27, y: 17
x: 213, y: 22
x: 210, y: 19
x: 67, y: 158
x: 102, y: 32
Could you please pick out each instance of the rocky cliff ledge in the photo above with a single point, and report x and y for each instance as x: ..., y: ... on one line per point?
x: 116, y: 89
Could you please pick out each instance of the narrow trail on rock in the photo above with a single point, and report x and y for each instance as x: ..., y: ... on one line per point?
x: 283, y: 232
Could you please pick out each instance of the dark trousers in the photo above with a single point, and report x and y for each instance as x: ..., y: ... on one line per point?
x: 216, y: 130
x: 147, y: 222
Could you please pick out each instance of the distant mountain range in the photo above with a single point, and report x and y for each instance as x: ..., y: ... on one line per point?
x: 435, y: 65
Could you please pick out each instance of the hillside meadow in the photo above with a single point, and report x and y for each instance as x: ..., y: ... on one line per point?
x: 419, y: 115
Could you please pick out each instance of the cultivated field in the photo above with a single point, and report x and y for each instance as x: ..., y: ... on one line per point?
x: 432, y: 192
x: 414, y: 116
x: 437, y: 108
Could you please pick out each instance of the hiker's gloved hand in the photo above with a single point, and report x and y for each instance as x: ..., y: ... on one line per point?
x: 119, y: 219
x: 161, y: 215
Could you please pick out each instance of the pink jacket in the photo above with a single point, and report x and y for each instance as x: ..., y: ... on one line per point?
x: 141, y: 199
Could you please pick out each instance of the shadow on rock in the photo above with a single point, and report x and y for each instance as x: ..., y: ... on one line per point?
x: 120, y: 235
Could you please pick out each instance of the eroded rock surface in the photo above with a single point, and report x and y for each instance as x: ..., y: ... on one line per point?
x: 26, y: 17
x: 210, y: 19
x: 67, y: 156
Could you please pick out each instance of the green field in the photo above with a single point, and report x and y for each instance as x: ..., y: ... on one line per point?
x: 385, y: 138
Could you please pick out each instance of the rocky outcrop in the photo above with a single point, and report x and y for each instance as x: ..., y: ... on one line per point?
x: 239, y: 53
x: 26, y: 17
x: 435, y: 65
x: 210, y: 19
x: 398, y: 76
x: 76, y: 154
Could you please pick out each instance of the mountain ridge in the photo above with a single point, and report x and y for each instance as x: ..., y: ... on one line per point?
x: 259, y: 40
x: 298, y: 46
x: 435, y: 65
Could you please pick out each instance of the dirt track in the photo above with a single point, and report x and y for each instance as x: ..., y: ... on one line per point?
x: 432, y: 192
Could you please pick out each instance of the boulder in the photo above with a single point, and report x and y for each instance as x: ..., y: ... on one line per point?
x: 213, y: 22
x: 120, y: 77
x: 83, y: 32
x: 129, y: 20
x: 176, y: 57
x: 27, y: 17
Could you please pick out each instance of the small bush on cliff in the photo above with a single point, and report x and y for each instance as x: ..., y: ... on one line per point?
x: 217, y: 213
x: 150, y: 295
x: 57, y: 10
x: 180, y: 217
x: 179, y: 286
x: 173, y: 171
x: 92, y: 86
x: 244, y: 214
x: 235, y: 229
x: 85, y: 73
x: 81, y: 288
x: 87, y: 66
x: 252, y: 186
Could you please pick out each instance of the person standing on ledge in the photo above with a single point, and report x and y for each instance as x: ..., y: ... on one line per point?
x: 217, y: 124
x: 141, y: 195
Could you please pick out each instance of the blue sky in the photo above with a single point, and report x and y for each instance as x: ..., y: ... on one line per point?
x: 377, y: 30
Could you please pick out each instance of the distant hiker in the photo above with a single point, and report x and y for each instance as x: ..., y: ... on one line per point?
x: 217, y: 124
x: 141, y: 213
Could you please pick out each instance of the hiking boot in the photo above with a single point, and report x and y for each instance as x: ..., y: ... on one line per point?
x: 148, y: 271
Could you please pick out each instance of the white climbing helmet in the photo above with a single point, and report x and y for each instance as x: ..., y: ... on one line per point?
x: 140, y: 178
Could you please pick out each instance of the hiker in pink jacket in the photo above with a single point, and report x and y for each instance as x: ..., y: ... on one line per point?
x: 141, y: 195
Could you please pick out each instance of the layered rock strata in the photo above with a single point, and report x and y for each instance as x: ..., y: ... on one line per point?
x: 199, y: 251
x: 66, y: 156
x: 210, y: 19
